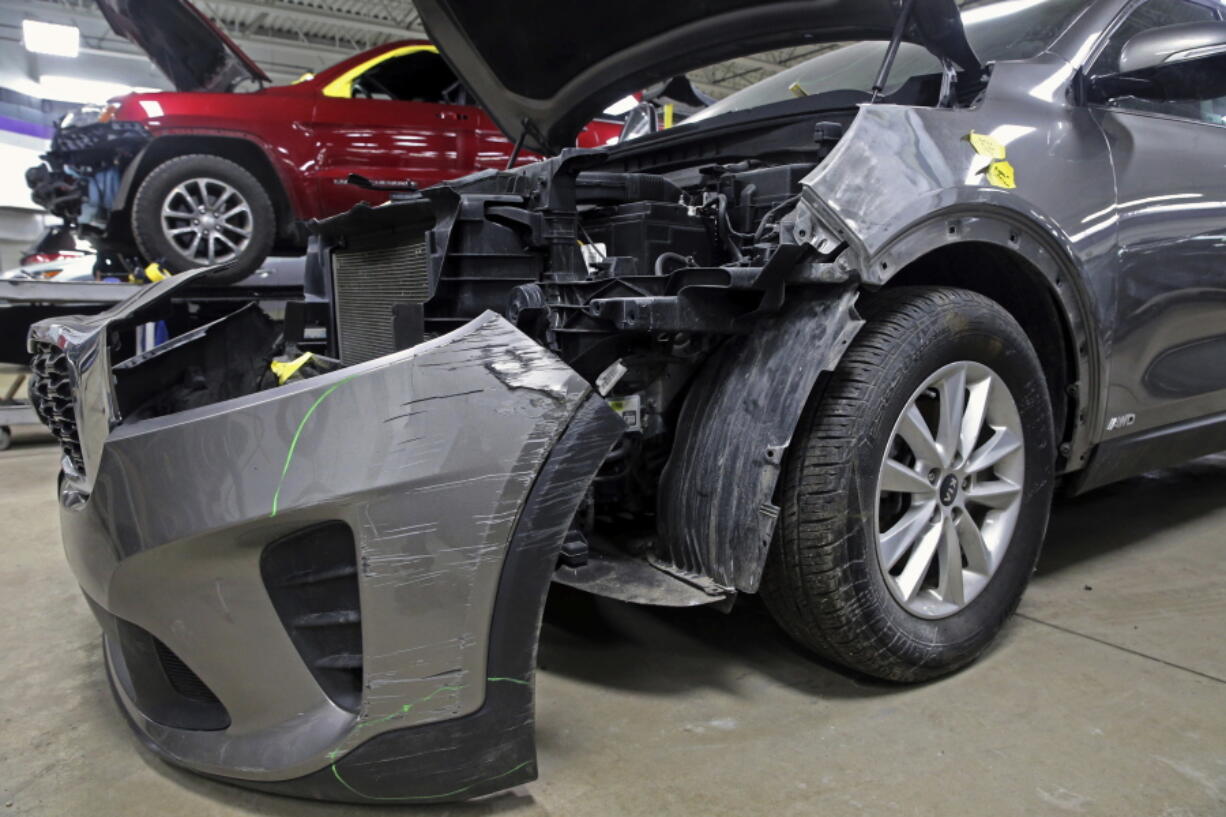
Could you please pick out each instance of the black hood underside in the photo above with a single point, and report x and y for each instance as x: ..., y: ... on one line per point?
x: 557, y: 64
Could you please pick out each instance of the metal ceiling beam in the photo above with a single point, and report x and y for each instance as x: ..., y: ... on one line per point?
x: 311, y: 44
x: 58, y: 9
x: 327, y: 18
x: 73, y: 11
x: 717, y: 91
x: 758, y: 62
x: 76, y: 12
x: 315, y: 31
x: 782, y: 62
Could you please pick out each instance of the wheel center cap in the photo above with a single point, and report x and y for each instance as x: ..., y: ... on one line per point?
x: 208, y: 222
x: 949, y: 489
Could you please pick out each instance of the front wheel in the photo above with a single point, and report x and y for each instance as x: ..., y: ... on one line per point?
x: 201, y: 210
x: 917, y: 491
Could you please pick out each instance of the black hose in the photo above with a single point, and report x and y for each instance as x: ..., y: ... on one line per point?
x: 771, y: 213
x: 724, y: 226
x: 594, y: 187
x: 671, y: 256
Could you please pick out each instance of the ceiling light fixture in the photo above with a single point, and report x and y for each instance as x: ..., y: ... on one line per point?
x: 51, y: 38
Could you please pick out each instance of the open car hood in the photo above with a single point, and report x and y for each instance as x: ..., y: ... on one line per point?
x: 552, y: 73
x: 192, y: 52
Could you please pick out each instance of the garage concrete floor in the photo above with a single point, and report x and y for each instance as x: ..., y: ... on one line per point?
x: 1107, y: 695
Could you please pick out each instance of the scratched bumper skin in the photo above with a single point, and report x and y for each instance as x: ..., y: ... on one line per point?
x: 457, y: 465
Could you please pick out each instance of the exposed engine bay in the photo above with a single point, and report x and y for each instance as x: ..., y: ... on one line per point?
x: 83, y: 169
x: 633, y: 270
x: 814, y: 326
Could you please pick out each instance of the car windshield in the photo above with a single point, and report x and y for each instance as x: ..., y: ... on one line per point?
x: 997, y: 30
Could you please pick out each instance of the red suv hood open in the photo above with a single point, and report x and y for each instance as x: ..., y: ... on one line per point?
x: 193, y: 53
x: 550, y: 74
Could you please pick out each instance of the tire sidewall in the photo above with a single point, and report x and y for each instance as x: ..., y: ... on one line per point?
x: 962, y: 335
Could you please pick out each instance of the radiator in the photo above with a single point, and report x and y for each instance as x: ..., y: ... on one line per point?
x: 366, y: 285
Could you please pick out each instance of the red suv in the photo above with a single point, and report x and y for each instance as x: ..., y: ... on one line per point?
x: 223, y: 169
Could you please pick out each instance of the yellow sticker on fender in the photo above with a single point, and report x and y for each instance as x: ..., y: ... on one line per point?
x: 987, y: 146
x: 1001, y: 175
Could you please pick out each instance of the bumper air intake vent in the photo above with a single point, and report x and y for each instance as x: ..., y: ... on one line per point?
x: 51, y: 396
x: 312, y: 578
x: 181, y: 678
x: 156, y: 680
x: 367, y: 284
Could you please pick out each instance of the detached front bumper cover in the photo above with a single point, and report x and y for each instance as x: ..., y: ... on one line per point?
x: 213, y: 544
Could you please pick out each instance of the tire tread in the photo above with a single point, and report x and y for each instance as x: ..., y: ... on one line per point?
x: 807, y: 584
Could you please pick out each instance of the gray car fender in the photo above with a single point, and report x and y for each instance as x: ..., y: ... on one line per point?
x: 905, y: 182
x: 902, y: 182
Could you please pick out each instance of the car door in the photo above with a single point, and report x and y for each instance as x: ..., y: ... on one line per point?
x: 1168, y: 353
x: 491, y: 148
x: 391, y: 123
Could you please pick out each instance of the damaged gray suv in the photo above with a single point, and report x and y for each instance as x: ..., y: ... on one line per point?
x: 833, y: 341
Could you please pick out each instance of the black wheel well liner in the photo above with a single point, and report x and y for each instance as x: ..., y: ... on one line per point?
x: 1022, y: 268
x: 711, y: 521
x: 715, y: 510
x: 243, y: 152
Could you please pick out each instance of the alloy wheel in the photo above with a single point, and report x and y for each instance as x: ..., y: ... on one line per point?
x: 208, y: 220
x: 949, y: 490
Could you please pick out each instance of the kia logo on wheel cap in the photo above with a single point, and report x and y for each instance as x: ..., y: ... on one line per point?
x: 949, y: 489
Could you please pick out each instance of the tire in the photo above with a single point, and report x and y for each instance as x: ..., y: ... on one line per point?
x: 824, y: 581
x: 237, y: 227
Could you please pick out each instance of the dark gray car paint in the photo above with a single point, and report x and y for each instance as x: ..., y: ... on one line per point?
x: 427, y: 455
x: 903, y: 182
x: 1167, y: 387
x: 1172, y: 269
x: 1136, y: 270
x: 494, y: 747
x: 1171, y: 45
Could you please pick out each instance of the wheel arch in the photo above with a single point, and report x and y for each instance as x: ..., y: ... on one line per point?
x: 1017, y: 264
x: 717, y: 505
x: 245, y: 153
